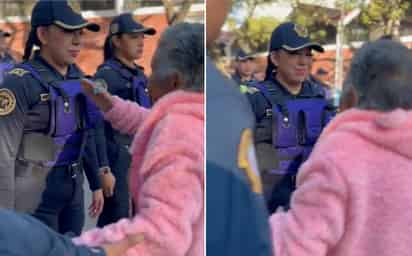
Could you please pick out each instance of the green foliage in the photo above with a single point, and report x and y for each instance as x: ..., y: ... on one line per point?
x: 255, y: 33
x: 385, y: 13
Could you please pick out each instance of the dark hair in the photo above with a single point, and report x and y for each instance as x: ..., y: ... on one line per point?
x: 108, y: 51
x: 181, y: 49
x: 269, y: 68
x: 381, y: 74
x: 31, y: 41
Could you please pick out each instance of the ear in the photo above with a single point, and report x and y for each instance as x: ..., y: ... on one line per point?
x: 116, y: 41
x: 349, y: 99
x: 274, y: 57
x: 41, y: 33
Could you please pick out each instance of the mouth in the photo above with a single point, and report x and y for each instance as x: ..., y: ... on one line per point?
x: 74, y: 53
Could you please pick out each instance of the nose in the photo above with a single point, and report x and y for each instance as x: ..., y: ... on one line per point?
x: 77, y: 38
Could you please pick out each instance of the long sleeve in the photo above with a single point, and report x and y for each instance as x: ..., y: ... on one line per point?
x: 22, y: 235
x: 11, y: 131
x: 90, y: 160
x: 166, y: 214
x: 316, y: 220
x: 169, y: 197
x: 126, y: 116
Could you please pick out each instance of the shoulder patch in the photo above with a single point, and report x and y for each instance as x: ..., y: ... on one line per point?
x: 247, y: 160
x: 252, y: 90
x: 18, y: 72
x: 7, y: 102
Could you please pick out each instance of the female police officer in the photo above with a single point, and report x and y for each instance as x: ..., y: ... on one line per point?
x: 44, y: 130
x: 123, y: 45
x: 290, y: 111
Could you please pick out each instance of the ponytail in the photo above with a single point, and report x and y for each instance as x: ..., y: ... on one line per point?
x: 269, y: 69
x: 31, y: 41
x: 108, y: 51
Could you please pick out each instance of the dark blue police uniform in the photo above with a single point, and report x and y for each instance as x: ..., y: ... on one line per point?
x: 237, y: 219
x: 22, y: 235
x: 129, y: 83
x: 287, y: 125
x: 48, y: 126
x: 243, y: 85
x: 6, y: 60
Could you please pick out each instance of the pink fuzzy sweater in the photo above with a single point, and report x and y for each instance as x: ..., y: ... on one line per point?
x: 166, y: 176
x: 354, y: 194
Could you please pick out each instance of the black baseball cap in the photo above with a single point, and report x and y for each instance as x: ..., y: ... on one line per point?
x: 125, y: 23
x: 61, y: 14
x: 292, y: 37
x: 4, y: 33
x: 241, y: 55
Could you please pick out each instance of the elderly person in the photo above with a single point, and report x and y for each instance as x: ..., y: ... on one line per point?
x: 166, y: 174
x: 355, y: 198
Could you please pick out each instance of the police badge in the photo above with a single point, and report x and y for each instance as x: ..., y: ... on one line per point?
x: 301, y: 30
x: 74, y: 6
x: 7, y: 102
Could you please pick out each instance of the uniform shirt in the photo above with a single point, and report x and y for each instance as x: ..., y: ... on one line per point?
x: 27, y: 91
x: 262, y: 109
x: 117, y: 85
x: 6, y: 57
x: 237, y: 220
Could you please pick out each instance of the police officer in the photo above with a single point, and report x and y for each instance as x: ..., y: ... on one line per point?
x: 123, y: 46
x: 244, y: 69
x: 6, y: 60
x: 290, y: 112
x: 47, y: 125
x: 237, y: 219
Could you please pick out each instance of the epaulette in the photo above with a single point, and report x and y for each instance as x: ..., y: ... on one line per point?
x: 18, y: 72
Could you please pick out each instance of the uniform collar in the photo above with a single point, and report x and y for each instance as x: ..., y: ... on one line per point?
x: 134, y: 71
x: 307, y: 90
x: 73, y: 71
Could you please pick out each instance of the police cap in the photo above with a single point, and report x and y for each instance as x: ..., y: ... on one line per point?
x: 292, y: 37
x: 125, y: 23
x: 60, y: 13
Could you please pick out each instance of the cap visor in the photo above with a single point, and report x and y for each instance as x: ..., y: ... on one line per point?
x: 245, y: 58
x: 315, y: 46
x: 147, y: 31
x: 90, y: 26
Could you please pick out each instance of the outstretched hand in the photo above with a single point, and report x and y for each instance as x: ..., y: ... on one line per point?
x: 119, y: 248
x: 97, y: 92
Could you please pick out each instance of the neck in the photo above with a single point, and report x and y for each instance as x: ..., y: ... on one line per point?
x: 129, y: 63
x: 60, y: 67
x: 293, y: 88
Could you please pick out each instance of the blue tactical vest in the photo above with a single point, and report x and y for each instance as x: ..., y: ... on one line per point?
x: 70, y: 114
x: 297, y: 124
x: 139, y: 91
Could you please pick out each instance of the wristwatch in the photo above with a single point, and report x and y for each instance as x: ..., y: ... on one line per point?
x: 104, y: 170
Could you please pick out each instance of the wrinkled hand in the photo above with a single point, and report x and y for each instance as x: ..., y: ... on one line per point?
x: 96, y: 207
x: 120, y: 247
x: 108, y: 181
x: 100, y: 97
